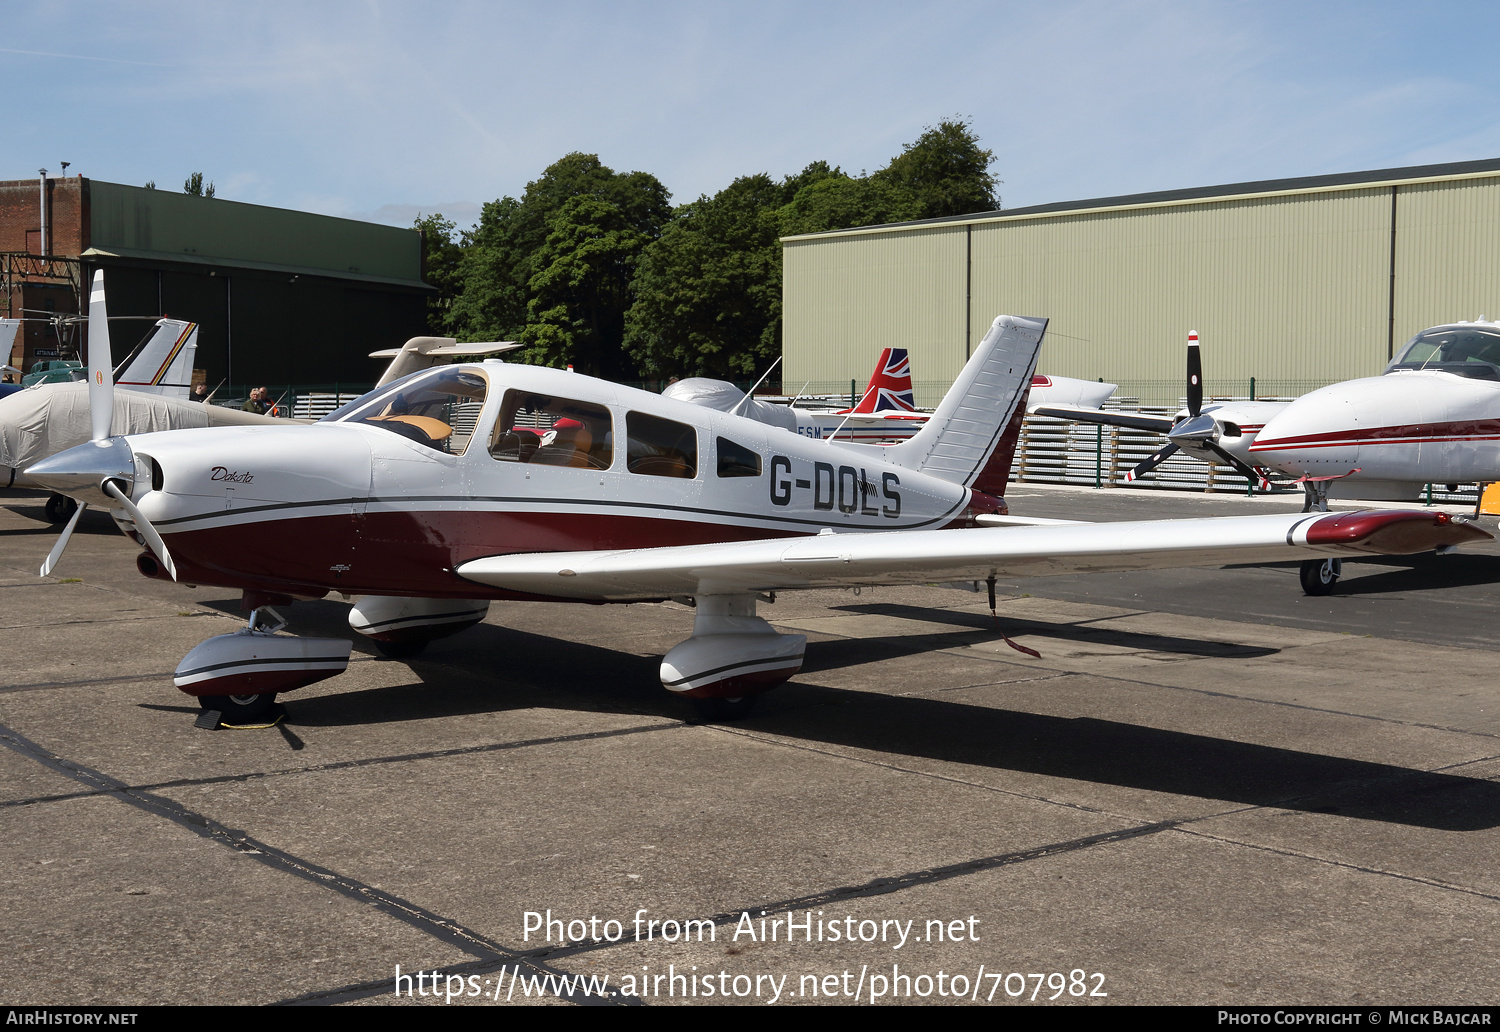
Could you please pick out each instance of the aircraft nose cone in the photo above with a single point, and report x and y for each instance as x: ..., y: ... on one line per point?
x: 79, y: 472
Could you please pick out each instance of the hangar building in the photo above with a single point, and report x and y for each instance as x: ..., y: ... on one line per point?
x: 1297, y: 282
x: 281, y: 296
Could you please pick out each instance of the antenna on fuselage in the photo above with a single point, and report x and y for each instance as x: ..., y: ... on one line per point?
x: 736, y: 410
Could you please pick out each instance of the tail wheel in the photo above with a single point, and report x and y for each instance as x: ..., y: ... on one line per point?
x: 243, y: 710
x: 1320, y: 575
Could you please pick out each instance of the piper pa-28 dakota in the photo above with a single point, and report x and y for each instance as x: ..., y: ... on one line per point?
x: 567, y: 488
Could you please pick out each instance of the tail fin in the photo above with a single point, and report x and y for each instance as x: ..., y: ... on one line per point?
x: 889, y: 389
x: 164, y: 364
x: 420, y: 352
x: 971, y: 438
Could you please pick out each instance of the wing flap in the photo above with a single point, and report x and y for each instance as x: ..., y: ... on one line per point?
x: 841, y: 560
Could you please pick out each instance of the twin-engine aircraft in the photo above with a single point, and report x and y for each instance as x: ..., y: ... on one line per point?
x: 438, y: 492
x: 1432, y: 417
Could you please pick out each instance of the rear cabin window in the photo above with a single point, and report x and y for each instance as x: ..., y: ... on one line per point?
x: 736, y: 460
x: 660, y: 447
x: 547, y: 431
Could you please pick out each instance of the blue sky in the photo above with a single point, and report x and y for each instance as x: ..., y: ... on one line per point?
x: 381, y: 109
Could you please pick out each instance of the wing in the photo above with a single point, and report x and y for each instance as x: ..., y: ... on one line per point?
x: 1132, y: 420
x: 906, y: 557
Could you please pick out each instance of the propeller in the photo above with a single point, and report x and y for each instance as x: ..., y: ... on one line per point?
x: 1197, y: 429
x: 94, y: 472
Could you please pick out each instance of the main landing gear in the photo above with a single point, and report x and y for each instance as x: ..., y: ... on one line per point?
x: 732, y: 657
x: 401, y: 628
x: 236, y: 676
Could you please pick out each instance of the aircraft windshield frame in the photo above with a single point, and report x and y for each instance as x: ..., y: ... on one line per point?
x: 438, y: 408
x: 1470, y: 351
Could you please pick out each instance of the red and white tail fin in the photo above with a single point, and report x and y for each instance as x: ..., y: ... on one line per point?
x: 164, y: 364
x: 889, y: 389
x: 971, y: 438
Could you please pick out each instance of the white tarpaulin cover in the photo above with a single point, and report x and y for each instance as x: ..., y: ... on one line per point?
x: 50, y: 417
x: 724, y: 396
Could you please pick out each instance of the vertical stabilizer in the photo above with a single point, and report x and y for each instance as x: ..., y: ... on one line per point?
x: 971, y: 438
x: 164, y: 364
x: 889, y: 389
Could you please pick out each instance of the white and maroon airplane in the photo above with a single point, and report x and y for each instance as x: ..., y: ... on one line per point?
x: 573, y: 489
x: 1433, y: 417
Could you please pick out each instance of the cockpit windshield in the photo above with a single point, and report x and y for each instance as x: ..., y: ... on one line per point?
x: 437, y: 408
x: 1462, y: 350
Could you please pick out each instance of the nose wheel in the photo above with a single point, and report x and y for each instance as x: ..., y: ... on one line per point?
x: 239, y: 711
x: 60, y: 508
x: 1320, y: 575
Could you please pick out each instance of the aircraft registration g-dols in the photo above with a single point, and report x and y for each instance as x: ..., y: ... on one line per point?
x: 438, y: 492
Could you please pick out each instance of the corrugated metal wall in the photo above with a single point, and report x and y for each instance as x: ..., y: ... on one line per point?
x: 1283, y: 287
x: 1447, y: 254
x: 857, y: 294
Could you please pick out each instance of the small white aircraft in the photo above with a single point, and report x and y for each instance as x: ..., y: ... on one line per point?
x: 573, y: 489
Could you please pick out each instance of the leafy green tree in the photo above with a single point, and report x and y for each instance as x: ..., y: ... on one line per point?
x: 581, y: 288
x: 441, y: 255
x: 193, y: 186
x: 554, y: 271
x: 842, y: 202
x: 492, y: 294
x: 945, y: 170
x: 708, y: 292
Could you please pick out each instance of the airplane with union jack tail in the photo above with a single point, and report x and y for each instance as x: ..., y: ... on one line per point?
x: 887, y: 413
x: 454, y: 486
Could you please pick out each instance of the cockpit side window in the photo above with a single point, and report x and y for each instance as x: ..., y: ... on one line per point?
x: 437, y: 408
x: 550, y: 431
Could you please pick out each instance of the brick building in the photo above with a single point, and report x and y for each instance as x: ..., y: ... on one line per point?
x: 281, y: 296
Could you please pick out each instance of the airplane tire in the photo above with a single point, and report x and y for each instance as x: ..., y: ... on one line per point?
x: 60, y: 508
x: 242, y: 710
x: 1320, y: 575
x: 714, y: 711
x: 400, y: 649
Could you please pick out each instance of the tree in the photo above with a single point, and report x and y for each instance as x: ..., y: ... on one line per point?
x: 946, y: 171
x: 441, y: 255
x: 581, y: 288
x: 193, y: 186
x: 554, y: 269
x: 708, y: 292
x: 842, y: 202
